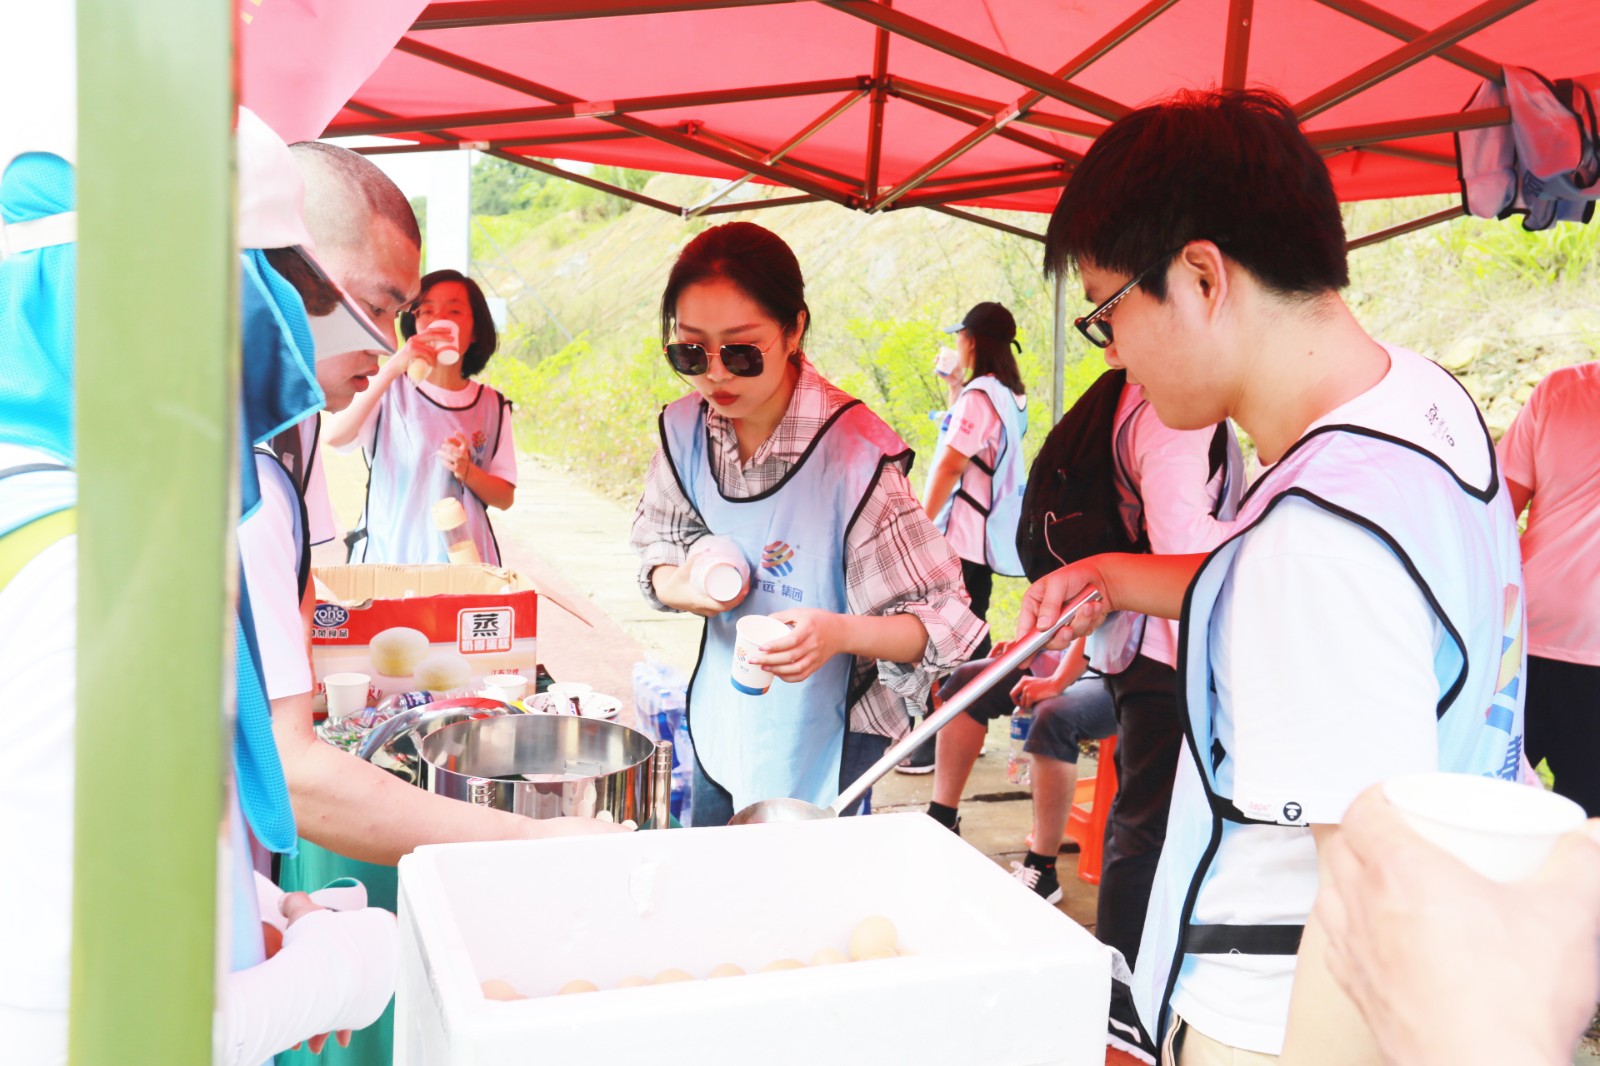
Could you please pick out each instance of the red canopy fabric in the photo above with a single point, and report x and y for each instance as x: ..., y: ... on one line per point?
x: 969, y: 94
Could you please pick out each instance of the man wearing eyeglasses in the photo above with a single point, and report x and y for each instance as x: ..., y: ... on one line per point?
x: 1365, y: 617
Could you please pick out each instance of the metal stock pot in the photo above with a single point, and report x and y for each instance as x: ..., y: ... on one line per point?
x: 539, y: 765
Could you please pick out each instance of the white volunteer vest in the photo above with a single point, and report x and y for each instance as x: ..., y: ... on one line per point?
x: 788, y: 742
x: 405, y: 478
x: 1459, y: 544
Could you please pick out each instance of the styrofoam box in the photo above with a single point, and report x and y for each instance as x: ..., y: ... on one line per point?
x: 993, y: 974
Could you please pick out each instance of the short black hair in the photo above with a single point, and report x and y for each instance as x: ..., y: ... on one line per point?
x: 1227, y: 165
x: 753, y: 258
x: 485, y: 339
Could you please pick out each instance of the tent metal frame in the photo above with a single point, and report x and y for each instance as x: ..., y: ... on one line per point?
x: 784, y: 163
x: 931, y: 185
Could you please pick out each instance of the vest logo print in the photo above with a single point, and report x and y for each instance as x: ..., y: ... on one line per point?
x: 330, y: 615
x: 776, y: 559
x: 1292, y: 811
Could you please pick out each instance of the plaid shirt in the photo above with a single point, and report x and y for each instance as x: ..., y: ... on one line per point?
x: 895, y: 560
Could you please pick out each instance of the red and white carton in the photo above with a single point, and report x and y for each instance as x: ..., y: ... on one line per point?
x: 488, y: 615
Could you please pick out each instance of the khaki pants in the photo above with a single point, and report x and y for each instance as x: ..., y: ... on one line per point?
x: 1194, y: 1048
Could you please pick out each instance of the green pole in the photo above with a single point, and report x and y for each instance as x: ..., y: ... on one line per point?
x: 157, y: 382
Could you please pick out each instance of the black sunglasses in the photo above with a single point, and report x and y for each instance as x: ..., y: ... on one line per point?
x: 1096, y: 325
x: 740, y: 360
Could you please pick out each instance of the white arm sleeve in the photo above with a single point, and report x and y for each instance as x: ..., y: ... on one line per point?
x: 335, y: 971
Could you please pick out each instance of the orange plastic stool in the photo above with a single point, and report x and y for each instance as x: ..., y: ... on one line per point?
x: 1091, y: 806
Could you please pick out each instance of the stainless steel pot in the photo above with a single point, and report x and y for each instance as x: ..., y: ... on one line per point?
x: 542, y: 765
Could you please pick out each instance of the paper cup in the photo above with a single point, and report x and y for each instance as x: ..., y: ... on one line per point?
x: 717, y: 568
x: 1505, y: 831
x: 750, y: 633
x: 945, y: 363
x: 515, y: 686
x: 347, y: 694
x: 568, y: 696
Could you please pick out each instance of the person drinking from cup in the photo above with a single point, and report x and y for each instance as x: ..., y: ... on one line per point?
x: 811, y: 486
x: 437, y: 435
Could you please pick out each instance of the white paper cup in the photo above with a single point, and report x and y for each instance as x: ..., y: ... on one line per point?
x: 1505, y: 831
x: 750, y: 633
x: 717, y: 568
x: 568, y: 696
x: 347, y: 694
x: 945, y: 363
x: 515, y: 686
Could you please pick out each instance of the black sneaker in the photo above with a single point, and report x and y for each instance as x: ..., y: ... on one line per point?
x: 919, y: 761
x: 1043, y: 882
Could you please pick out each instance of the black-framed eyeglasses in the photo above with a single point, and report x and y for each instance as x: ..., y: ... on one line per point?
x: 740, y: 360
x: 1096, y: 325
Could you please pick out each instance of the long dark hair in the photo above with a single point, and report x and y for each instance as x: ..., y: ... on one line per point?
x: 484, y: 337
x: 755, y: 259
x: 991, y: 356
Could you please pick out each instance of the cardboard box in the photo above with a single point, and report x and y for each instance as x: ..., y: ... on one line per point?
x: 987, y: 957
x: 488, y: 615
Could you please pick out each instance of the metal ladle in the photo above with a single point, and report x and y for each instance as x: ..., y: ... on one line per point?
x: 783, y: 809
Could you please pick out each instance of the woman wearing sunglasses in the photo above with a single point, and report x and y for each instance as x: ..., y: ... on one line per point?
x: 811, y: 486
x: 444, y: 435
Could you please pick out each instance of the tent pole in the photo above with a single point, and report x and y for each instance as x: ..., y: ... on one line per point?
x: 569, y: 109
x: 508, y: 143
x: 1236, y: 53
x: 941, y: 40
x: 816, y: 125
x: 157, y: 381
x: 1003, y: 227
x: 918, y: 91
x: 1403, y: 58
x: 1407, y: 227
x: 777, y: 173
x: 1000, y: 118
x: 1403, y: 129
x: 930, y: 103
x: 1395, y: 26
x: 585, y: 180
x: 760, y: 205
x: 745, y: 148
x: 1058, y: 375
x: 968, y: 192
x: 880, y: 69
x: 513, y: 12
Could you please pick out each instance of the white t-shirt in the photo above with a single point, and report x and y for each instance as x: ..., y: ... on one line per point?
x: 269, y: 553
x: 1553, y: 448
x: 976, y: 430
x: 38, y: 696
x: 1169, y: 470
x: 502, y: 464
x: 1322, y: 649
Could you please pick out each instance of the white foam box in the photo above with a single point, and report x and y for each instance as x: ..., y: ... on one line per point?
x: 992, y: 974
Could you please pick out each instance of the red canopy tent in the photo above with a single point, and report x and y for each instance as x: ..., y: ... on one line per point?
x: 935, y: 103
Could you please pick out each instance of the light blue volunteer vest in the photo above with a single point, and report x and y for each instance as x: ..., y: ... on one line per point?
x: 1007, y: 480
x: 405, y: 478
x: 1459, y: 544
x: 787, y: 742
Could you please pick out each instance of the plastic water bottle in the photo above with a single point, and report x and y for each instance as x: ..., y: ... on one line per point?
x: 1018, y: 762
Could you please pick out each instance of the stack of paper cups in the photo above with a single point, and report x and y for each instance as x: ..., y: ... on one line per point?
x: 718, y: 568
